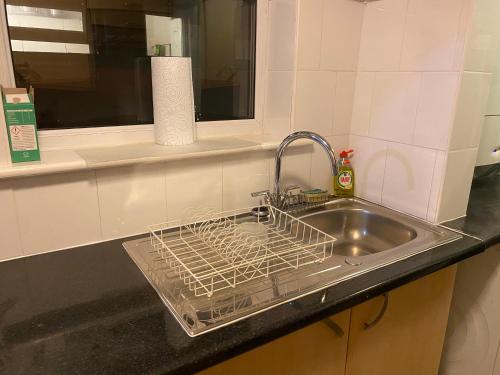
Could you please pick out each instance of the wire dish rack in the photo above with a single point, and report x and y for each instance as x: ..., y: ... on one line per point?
x: 211, y: 251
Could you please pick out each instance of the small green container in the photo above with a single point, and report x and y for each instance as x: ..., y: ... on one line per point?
x: 21, y: 126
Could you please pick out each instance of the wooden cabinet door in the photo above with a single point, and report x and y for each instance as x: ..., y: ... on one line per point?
x: 316, y: 350
x: 408, y: 339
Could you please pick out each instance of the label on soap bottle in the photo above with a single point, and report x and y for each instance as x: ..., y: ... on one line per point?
x: 344, y: 180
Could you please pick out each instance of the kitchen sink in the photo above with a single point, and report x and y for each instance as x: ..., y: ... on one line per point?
x: 367, y: 237
x: 360, y: 231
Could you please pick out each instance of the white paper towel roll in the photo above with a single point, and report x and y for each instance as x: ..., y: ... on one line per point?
x: 173, y: 102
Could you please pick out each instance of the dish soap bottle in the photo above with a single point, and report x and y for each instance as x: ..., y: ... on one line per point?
x: 344, y: 180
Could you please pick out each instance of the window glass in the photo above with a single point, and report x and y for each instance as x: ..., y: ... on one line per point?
x: 89, y: 60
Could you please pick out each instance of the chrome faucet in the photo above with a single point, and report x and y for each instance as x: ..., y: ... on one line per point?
x: 277, y: 198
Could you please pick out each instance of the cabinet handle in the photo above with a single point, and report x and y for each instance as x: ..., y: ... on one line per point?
x: 380, y: 315
x: 334, y: 327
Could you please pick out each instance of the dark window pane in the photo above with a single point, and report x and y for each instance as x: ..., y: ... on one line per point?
x: 89, y: 60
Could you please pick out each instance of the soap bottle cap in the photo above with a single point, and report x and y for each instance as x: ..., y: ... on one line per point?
x: 345, y: 154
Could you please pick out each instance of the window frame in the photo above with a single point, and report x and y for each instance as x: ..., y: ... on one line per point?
x: 127, y: 134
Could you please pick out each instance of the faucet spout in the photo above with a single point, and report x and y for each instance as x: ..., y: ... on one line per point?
x: 286, y: 142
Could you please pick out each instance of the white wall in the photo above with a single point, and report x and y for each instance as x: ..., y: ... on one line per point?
x: 52, y: 212
x: 409, y: 74
x: 392, y: 67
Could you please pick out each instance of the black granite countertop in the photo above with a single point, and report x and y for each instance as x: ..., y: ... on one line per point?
x: 89, y: 310
x: 483, y: 211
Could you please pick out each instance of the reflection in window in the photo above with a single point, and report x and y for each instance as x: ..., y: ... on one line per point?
x: 89, y: 60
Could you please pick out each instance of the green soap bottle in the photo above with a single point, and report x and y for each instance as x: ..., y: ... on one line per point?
x: 343, y: 182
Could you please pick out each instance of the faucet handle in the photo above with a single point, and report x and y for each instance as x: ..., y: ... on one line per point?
x: 293, y: 190
x: 263, y: 193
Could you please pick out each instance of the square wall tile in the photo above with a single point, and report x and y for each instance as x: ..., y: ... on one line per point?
x: 131, y: 199
x: 471, y: 108
x: 278, y: 108
x: 295, y: 167
x: 10, y: 241
x: 243, y: 175
x: 282, y: 32
x: 57, y: 211
x: 341, y: 34
x: 321, y: 170
x: 482, y: 46
x: 431, y: 36
x: 314, y: 100
x: 368, y: 161
x: 382, y: 36
x: 343, y: 104
x: 494, y: 96
x: 457, y: 184
x: 363, y: 96
x: 195, y: 183
x: 436, y: 110
x: 437, y: 186
x: 408, y: 178
x: 309, y: 34
x: 394, y: 106
x: 463, y: 34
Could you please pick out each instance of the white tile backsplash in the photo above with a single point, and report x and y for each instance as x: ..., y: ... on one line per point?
x: 437, y: 186
x: 431, y: 36
x: 310, y: 34
x: 457, y: 184
x: 394, y: 106
x: 131, y: 199
x: 382, y: 36
x: 408, y: 178
x: 243, y: 175
x: 363, y: 96
x: 10, y: 242
x: 343, y: 103
x: 380, y: 78
x: 484, y: 36
x: 295, y: 167
x: 436, y: 109
x: 278, y: 106
x: 471, y: 108
x: 57, y: 211
x: 192, y: 184
x: 369, y: 160
x: 314, y: 101
x: 341, y: 34
x: 282, y: 30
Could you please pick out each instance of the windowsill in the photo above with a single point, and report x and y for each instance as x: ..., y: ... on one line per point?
x: 61, y: 161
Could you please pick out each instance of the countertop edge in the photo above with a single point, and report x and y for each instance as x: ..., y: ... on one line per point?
x: 337, y: 307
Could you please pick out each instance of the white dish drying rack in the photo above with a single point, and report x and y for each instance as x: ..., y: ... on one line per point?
x: 211, y: 251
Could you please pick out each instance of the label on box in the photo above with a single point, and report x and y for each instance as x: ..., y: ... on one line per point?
x: 23, y: 137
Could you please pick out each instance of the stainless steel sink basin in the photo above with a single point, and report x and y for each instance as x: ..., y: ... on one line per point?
x: 374, y: 233
x: 368, y: 237
x: 361, y: 232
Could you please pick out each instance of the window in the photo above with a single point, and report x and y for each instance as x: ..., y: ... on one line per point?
x: 89, y: 60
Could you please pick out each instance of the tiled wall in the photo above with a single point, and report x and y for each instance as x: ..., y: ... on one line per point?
x: 403, y: 128
x: 392, y: 67
x: 329, y: 33
x: 52, y: 212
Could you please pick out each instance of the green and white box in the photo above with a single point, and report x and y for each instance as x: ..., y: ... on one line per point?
x: 21, y: 125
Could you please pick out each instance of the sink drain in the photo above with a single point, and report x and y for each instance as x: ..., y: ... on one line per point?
x: 354, y: 261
